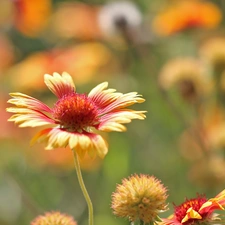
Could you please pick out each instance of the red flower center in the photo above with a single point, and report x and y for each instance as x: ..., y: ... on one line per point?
x: 75, y: 112
x: 195, y: 203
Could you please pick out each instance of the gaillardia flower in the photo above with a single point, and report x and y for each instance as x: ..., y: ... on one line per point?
x: 75, y: 117
x: 139, y: 198
x: 196, y: 210
x: 54, y: 218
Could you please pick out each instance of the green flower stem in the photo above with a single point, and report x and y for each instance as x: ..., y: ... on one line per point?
x: 83, y: 188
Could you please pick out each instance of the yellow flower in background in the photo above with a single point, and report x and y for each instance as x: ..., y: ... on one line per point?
x: 75, y: 117
x: 140, y: 197
x: 186, y: 14
x: 54, y: 218
x: 88, y: 60
x: 31, y: 16
x: 196, y: 210
x: 188, y: 75
x: 212, y: 51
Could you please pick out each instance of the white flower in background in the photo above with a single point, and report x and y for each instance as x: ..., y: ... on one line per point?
x: 116, y: 16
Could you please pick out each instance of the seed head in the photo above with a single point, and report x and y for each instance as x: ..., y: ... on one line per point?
x: 53, y: 218
x: 139, y: 197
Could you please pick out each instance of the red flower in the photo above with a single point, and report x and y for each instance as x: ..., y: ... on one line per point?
x: 75, y: 117
x: 196, y: 209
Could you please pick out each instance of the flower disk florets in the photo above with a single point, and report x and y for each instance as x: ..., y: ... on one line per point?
x: 139, y: 197
x: 75, y: 112
x: 54, y: 218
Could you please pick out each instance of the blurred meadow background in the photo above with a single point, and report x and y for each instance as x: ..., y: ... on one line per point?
x: 170, y: 51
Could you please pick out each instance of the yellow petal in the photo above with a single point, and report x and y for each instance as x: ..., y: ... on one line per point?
x: 98, y: 89
x: 100, y: 145
x: 191, y: 214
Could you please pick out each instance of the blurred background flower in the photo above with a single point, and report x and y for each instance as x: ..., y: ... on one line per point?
x: 183, y: 15
x: 83, y: 23
x: 188, y: 75
x: 119, y: 17
x: 30, y: 17
x: 82, y: 61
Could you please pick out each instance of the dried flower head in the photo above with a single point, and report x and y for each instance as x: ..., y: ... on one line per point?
x: 185, y: 15
x: 196, y: 210
x: 188, y: 75
x: 119, y: 15
x: 139, y: 197
x: 54, y: 218
x: 75, y: 117
x: 213, y: 52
